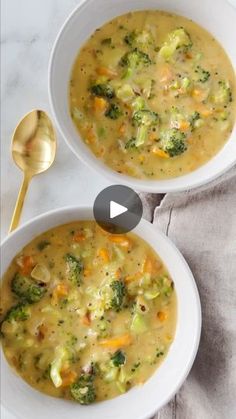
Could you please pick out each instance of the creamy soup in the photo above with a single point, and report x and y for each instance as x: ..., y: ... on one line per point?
x: 86, y: 315
x: 152, y: 94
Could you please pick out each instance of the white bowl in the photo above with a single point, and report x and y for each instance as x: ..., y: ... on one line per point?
x: 91, y: 14
x: 140, y: 402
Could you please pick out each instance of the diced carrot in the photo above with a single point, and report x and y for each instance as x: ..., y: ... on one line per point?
x: 68, y: 377
x: 198, y: 94
x: 87, y: 272
x: 105, y: 71
x: 118, y: 273
x: 27, y: 265
x: 122, y: 129
x: 99, y: 104
x: 116, y: 342
x: 206, y: 112
x: 160, y: 153
x: 86, y: 320
x: 120, y: 240
x: 188, y: 56
x: 184, y: 125
x: 61, y: 290
x: 103, y: 254
x: 162, y: 316
x: 79, y: 237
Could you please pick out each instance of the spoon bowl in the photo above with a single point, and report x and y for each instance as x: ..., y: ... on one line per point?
x: 33, y: 151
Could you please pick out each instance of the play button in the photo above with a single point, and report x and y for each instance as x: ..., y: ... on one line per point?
x: 118, y: 209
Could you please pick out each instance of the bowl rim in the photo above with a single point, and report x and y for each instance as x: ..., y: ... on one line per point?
x: 145, y: 225
x: 176, y: 184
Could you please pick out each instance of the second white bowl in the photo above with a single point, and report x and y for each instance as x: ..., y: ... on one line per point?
x: 140, y: 402
x: 91, y: 14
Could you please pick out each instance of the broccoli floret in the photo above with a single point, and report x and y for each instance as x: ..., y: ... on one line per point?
x: 130, y: 38
x: 19, y: 312
x: 118, y: 358
x: 26, y: 289
x: 193, y: 120
x: 173, y: 142
x: 75, y: 268
x: 224, y: 93
x: 106, y: 41
x: 144, y: 119
x: 119, y: 291
x: 83, y: 391
x: 177, y: 39
x: 125, y: 93
x: 114, y: 111
x: 138, y: 103
x: 141, y: 40
x: 131, y: 143
x: 102, y: 90
x: 133, y: 60
x: 203, y: 75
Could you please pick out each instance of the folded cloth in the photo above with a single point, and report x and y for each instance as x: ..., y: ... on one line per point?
x: 202, y: 223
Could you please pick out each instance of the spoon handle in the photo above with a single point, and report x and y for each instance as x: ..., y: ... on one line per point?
x: 20, y: 202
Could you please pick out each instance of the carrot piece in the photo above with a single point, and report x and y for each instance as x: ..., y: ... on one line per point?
x: 104, y: 71
x: 116, y: 342
x: 162, y: 316
x: 120, y: 240
x: 188, y: 56
x: 198, y: 94
x: 160, y: 153
x: 118, y: 273
x: 61, y: 290
x: 27, y: 265
x: 79, y: 237
x: 99, y: 104
x: 103, y: 254
x: 68, y: 378
x: 184, y: 125
x: 122, y: 129
x: 87, y: 272
x: 86, y: 320
x: 206, y: 112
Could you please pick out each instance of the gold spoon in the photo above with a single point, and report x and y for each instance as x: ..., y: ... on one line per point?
x: 33, y: 150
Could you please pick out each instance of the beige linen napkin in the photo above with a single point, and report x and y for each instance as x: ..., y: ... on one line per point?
x: 202, y: 223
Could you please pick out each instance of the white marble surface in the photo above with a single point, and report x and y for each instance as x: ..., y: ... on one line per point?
x: 29, y: 28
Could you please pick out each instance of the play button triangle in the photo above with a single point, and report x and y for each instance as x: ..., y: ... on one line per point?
x: 116, y: 209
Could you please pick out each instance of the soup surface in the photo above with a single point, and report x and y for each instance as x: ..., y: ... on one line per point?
x: 86, y: 315
x: 153, y: 95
